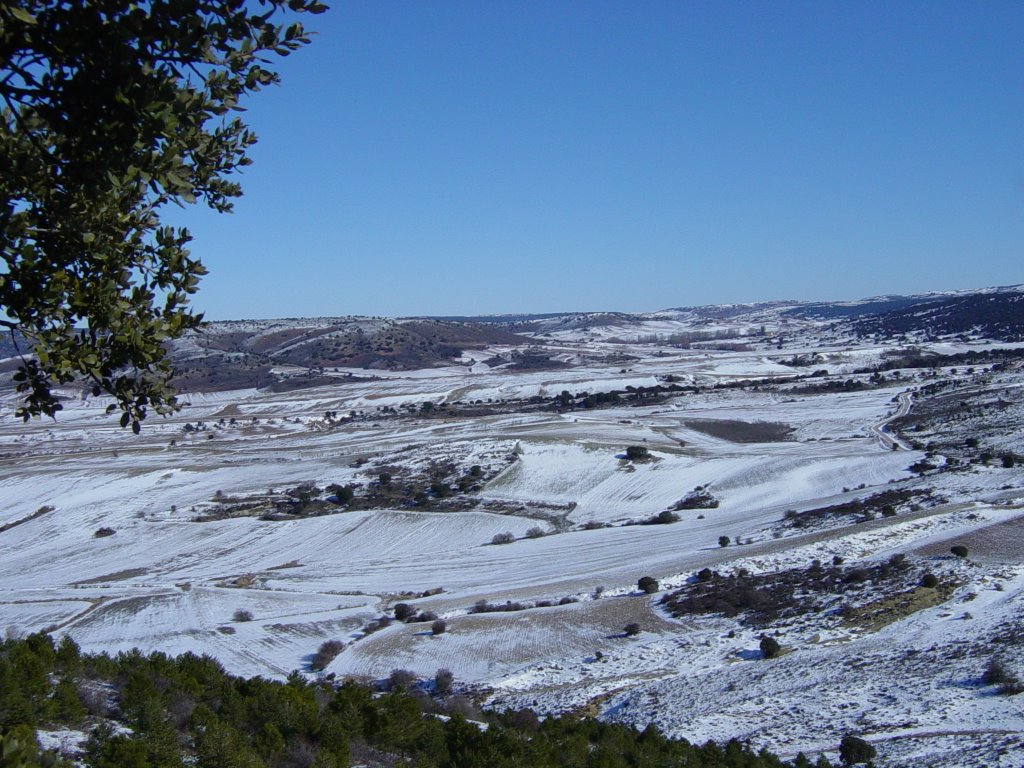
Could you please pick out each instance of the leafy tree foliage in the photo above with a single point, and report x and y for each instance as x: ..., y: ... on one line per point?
x: 108, y: 113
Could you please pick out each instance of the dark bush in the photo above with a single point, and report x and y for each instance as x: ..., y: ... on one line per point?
x: 103, y: 532
x: 663, y: 518
x: 632, y: 630
x: 482, y: 606
x: 401, y: 678
x: 930, y: 580
x: 705, y: 574
x: 853, y: 750
x: 503, y: 538
x: 535, y: 532
x: 404, y: 611
x: 343, y: 494
x: 439, y: 627
x: 995, y: 673
x: 857, y: 574
x: 648, y: 584
x: 443, y: 680
x: 637, y: 453
x: 242, y: 615
x: 723, y: 541
x: 1008, y: 460
x: 770, y: 647
x: 959, y: 550
x: 325, y: 654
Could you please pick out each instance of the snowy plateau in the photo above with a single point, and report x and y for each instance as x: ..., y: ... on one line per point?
x: 784, y: 471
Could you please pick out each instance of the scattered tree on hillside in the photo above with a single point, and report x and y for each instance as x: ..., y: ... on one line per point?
x: 648, y: 584
x: 770, y: 647
x: 443, y: 680
x: 853, y: 750
x: 325, y: 654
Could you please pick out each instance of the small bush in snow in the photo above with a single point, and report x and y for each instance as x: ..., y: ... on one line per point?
x: 242, y: 615
x: 404, y: 611
x: 535, y: 532
x: 723, y: 541
x: 663, y: 518
x: 439, y: 627
x: 503, y: 538
x: 770, y: 647
x: 959, y: 550
x: 637, y: 453
x: 930, y: 580
x: 103, y: 532
x: 325, y: 654
x: 632, y: 630
x: 648, y: 584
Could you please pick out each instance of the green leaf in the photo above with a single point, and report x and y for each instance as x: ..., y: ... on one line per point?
x: 22, y: 15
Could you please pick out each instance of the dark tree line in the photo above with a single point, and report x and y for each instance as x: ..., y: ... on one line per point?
x: 189, y: 711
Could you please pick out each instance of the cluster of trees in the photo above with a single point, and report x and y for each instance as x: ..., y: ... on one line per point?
x: 188, y: 711
x: 765, y: 598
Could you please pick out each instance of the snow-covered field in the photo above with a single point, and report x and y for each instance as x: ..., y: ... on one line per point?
x: 262, y: 594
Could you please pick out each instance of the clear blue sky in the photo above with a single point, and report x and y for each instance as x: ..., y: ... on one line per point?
x: 478, y: 157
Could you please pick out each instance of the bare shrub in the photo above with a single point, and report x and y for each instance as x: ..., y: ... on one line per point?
x: 632, y: 630
x: 535, y: 532
x: 503, y: 538
x: 241, y: 614
x: 401, y: 678
x: 443, y: 680
x: 439, y: 627
x: 328, y: 650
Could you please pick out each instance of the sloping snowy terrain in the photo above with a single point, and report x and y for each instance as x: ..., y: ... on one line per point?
x: 190, y: 536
